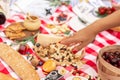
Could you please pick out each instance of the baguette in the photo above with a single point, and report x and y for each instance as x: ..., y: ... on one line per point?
x: 21, y: 67
x: 5, y: 77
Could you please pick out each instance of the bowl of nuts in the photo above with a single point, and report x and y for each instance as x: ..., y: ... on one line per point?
x: 108, y: 63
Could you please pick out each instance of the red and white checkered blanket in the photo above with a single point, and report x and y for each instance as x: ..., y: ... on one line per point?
x: 104, y: 38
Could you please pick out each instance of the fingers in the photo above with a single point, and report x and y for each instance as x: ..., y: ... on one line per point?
x: 78, y: 47
x: 68, y: 41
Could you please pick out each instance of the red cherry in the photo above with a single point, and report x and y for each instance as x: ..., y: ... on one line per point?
x: 102, y: 10
x: 113, y: 9
x: 109, y: 11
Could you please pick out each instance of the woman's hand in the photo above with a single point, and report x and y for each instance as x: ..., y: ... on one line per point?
x: 79, y: 40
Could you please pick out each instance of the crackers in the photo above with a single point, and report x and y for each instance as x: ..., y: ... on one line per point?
x: 21, y: 67
x: 15, y: 30
x: 5, y: 77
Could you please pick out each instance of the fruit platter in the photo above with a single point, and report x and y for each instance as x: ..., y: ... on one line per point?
x: 61, y: 18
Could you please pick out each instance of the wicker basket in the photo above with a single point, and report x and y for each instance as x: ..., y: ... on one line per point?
x: 105, y: 70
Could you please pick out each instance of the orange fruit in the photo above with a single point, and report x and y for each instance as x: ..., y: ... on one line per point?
x: 49, y: 66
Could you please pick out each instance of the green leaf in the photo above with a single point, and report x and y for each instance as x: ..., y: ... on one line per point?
x: 31, y: 38
x: 99, y: 15
x: 58, y: 2
x: 67, y: 32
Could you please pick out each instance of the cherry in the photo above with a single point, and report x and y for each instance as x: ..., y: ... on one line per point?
x: 102, y: 10
x: 109, y: 10
x: 112, y: 57
x: 113, y: 9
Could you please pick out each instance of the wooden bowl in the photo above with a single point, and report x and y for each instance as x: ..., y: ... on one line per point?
x: 106, y: 71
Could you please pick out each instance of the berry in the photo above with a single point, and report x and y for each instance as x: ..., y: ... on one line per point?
x: 112, y: 57
x: 37, y: 44
x: 102, y: 10
x: 113, y: 9
x: 109, y: 11
x: 40, y: 63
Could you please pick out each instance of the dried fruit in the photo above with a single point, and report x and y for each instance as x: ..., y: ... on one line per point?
x: 37, y: 44
x: 40, y: 63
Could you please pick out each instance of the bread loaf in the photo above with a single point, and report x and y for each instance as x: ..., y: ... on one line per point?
x: 21, y: 67
x: 5, y: 77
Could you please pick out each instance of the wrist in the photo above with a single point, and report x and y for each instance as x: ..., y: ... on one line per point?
x: 92, y: 29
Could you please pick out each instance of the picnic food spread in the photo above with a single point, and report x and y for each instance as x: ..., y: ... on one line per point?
x: 39, y: 53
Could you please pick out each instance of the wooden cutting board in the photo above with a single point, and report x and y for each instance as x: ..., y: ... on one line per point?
x: 27, y: 32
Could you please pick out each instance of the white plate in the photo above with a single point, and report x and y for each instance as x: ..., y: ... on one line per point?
x: 71, y: 78
x: 61, y: 22
x: 94, y: 12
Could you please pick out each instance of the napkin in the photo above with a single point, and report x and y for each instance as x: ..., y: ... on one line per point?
x: 34, y: 7
x: 84, y: 11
